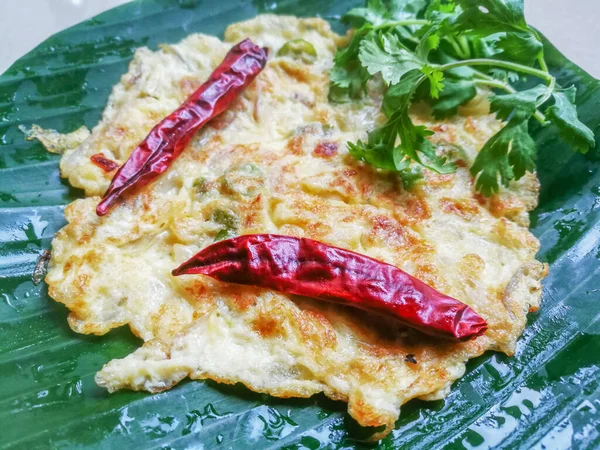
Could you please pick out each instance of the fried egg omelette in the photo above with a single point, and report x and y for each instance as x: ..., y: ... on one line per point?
x: 276, y: 162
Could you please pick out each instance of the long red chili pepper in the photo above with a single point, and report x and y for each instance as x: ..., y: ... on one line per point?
x: 306, y: 267
x: 167, y: 139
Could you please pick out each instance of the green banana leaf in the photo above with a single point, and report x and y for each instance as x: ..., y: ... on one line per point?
x: 547, y: 396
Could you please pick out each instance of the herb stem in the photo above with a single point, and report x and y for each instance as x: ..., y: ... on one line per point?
x: 485, y: 76
x: 464, y: 43
x: 456, y: 47
x: 497, y: 84
x: 402, y: 23
x: 497, y: 63
x: 542, y: 62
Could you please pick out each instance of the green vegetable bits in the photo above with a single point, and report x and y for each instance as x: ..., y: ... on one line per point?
x: 245, y: 180
x: 299, y: 49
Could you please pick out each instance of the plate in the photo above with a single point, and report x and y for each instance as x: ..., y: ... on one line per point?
x: 547, y: 396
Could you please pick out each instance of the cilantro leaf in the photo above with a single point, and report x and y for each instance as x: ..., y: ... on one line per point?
x: 374, y: 13
x: 438, y: 10
x: 442, y: 19
x: 378, y: 13
x: 455, y: 94
x: 406, y: 9
x: 436, y: 80
x: 433, y: 63
x: 343, y: 74
x: 347, y: 75
x: 524, y: 48
x: 507, y: 76
x: 506, y: 156
x: 413, y: 140
x: 485, y: 17
x: 385, y: 54
x: 381, y: 149
x: 510, y: 152
x: 564, y: 115
x: 484, y: 46
x: 442, y: 15
x: 410, y: 176
x: 344, y: 77
x: 429, y: 42
x: 521, y: 105
x: 399, y: 96
x: 347, y: 82
x: 376, y: 151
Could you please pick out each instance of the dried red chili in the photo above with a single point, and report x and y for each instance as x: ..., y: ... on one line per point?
x: 310, y: 268
x: 167, y: 139
x: 108, y: 165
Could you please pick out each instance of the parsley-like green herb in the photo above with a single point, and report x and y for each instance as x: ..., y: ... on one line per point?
x: 440, y: 51
x: 564, y: 115
x: 383, y: 53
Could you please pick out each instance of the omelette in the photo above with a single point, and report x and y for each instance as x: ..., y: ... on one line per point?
x: 277, y: 162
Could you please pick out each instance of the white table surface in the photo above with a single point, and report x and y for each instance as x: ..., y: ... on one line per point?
x: 572, y: 25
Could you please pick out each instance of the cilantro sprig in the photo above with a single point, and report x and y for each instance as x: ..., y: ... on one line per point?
x: 440, y: 51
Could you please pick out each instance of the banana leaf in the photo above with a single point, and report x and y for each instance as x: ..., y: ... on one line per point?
x: 546, y: 396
